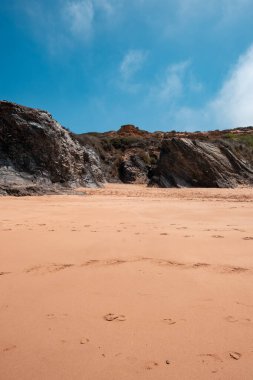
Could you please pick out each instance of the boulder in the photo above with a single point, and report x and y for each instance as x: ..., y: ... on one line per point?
x: 193, y: 163
x: 37, y: 155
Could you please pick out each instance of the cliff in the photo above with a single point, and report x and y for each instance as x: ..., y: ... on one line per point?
x: 214, y: 158
x: 187, y: 163
x: 37, y: 155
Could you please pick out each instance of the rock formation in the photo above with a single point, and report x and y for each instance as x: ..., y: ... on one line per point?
x: 193, y: 163
x: 125, y: 157
x: 133, y: 169
x: 37, y: 155
x: 130, y: 155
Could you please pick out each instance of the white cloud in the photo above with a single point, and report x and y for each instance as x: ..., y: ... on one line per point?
x: 194, y: 85
x: 132, y: 62
x: 233, y: 104
x: 79, y: 17
x: 63, y: 24
x: 172, y: 85
x: 231, y: 107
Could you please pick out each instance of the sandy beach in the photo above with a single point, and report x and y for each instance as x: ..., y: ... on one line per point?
x: 126, y: 283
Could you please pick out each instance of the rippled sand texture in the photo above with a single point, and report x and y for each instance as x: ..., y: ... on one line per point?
x: 127, y: 283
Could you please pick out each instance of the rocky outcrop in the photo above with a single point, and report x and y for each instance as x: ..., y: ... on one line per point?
x: 193, y: 163
x: 124, y: 158
x: 37, y: 155
x: 131, y: 130
x: 133, y: 169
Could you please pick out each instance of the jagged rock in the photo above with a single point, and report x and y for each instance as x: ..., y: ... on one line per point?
x: 133, y: 169
x: 37, y: 155
x: 187, y: 163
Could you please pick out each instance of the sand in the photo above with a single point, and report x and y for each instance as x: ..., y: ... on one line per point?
x: 127, y: 283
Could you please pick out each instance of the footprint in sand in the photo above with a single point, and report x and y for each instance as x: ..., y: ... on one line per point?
x: 51, y: 268
x: 53, y: 316
x: 235, y: 355
x: 84, y: 340
x: 217, y: 236
x: 248, y: 238
x: 90, y: 262
x: 9, y: 348
x: 169, y: 321
x: 4, y: 273
x: 151, y: 365
x: 199, y: 265
x: 232, y: 319
x: 234, y: 270
x: 114, y: 262
x: 212, y: 357
x: 163, y: 233
x: 113, y: 317
x: 244, y: 304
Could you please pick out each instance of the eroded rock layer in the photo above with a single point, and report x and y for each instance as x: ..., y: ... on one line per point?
x: 193, y: 163
x: 37, y: 155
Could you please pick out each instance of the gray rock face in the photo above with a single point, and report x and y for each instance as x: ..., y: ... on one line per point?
x: 133, y: 170
x: 187, y: 163
x: 37, y: 155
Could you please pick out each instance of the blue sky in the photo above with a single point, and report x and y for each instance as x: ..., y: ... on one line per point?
x: 161, y: 65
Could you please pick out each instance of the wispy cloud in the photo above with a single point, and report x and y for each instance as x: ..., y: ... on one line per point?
x: 79, y: 16
x: 130, y: 67
x: 233, y: 104
x: 172, y: 85
x: 66, y: 23
x: 231, y: 107
x: 131, y: 63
